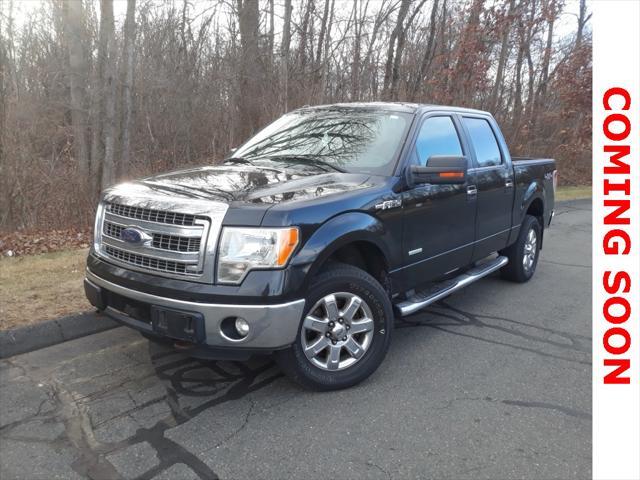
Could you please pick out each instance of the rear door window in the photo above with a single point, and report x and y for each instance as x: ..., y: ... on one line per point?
x: 437, y: 136
x: 483, y: 141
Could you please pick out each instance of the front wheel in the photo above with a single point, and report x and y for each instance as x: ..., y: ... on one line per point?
x: 523, y: 254
x: 344, y: 334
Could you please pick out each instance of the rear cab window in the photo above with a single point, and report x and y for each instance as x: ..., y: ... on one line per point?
x: 483, y: 142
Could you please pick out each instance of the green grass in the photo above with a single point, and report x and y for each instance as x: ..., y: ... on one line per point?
x: 573, y: 193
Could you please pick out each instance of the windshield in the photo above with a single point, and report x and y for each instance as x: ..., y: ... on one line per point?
x: 347, y: 139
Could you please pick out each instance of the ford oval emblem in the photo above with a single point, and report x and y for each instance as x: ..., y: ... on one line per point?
x: 133, y: 235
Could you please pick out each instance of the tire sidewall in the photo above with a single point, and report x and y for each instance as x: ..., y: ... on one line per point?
x: 529, y: 224
x: 351, y: 280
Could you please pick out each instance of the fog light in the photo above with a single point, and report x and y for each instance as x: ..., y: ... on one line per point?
x: 242, y: 327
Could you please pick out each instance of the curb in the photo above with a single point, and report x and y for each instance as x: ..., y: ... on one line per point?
x: 44, y: 334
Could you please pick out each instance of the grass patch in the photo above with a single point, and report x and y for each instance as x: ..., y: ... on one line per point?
x: 573, y: 193
x: 41, y: 287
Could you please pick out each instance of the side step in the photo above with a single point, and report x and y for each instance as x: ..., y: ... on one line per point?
x: 426, y: 297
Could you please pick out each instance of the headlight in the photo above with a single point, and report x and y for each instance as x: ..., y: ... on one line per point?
x: 246, y: 249
x: 97, y: 228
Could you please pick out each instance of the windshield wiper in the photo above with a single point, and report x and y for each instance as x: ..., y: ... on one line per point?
x: 238, y: 160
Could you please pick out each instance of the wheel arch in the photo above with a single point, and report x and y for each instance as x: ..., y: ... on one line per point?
x: 352, y: 238
x: 533, y: 204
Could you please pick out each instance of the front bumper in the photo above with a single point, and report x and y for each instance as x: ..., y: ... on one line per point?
x: 272, y: 327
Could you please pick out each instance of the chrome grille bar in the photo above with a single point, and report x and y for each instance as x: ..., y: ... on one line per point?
x: 161, y: 241
x: 147, y: 262
x: 150, y: 215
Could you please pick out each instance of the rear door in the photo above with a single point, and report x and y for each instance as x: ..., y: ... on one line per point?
x: 439, y: 220
x: 494, y: 183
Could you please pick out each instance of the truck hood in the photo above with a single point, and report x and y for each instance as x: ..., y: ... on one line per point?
x: 240, y: 183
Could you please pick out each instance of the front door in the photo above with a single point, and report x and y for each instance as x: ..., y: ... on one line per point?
x: 439, y: 220
x: 494, y: 181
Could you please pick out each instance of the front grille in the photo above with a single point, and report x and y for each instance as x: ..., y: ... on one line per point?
x: 161, y: 241
x: 112, y: 229
x: 179, y: 235
x: 176, y: 243
x: 150, y: 263
x: 150, y: 215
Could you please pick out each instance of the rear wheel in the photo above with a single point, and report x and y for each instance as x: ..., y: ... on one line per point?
x: 345, y: 332
x: 523, y: 254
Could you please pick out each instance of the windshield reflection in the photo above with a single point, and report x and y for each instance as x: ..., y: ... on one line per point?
x: 347, y: 139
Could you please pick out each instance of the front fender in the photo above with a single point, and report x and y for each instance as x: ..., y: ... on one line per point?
x: 335, y: 233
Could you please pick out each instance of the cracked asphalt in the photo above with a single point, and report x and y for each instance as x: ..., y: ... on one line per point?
x: 494, y: 382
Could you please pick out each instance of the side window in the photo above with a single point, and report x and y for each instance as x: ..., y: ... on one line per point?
x: 438, y: 136
x: 483, y: 141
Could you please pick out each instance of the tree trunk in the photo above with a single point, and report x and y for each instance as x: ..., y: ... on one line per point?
x: 272, y: 26
x: 4, y: 60
x: 402, y: 36
x: 355, y: 63
x: 304, y: 33
x: 391, y: 50
x: 284, y: 56
x: 127, y: 85
x: 517, y: 96
x: 502, y: 61
x: 325, y: 63
x: 249, y: 101
x: 76, y: 36
x: 427, y: 58
x: 323, y: 30
x: 109, y: 90
x: 582, y: 20
x: 467, y: 53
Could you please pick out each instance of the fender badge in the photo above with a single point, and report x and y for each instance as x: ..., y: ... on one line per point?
x: 387, y: 204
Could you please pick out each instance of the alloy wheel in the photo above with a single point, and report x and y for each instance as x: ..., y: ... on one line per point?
x: 337, y: 331
x: 530, y: 250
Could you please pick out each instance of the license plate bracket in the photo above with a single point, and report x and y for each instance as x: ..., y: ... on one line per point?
x: 178, y: 324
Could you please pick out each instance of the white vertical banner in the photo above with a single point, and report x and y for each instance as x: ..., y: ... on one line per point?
x: 616, y: 239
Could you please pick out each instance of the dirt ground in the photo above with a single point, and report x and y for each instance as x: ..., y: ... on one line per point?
x: 41, y: 287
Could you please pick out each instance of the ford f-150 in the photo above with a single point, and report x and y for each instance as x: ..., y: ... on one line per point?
x: 309, y: 239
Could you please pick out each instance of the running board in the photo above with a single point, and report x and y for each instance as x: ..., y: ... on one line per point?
x: 440, y: 290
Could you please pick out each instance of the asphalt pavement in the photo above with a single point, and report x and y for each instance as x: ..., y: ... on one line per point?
x: 494, y: 382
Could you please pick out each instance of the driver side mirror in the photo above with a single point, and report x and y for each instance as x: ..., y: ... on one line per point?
x: 440, y: 170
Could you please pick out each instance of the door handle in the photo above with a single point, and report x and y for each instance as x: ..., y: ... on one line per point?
x: 472, y: 190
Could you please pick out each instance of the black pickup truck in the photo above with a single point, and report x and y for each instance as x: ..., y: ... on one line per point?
x: 311, y: 237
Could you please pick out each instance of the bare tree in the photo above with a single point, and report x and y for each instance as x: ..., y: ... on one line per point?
x: 128, y: 55
x: 394, y: 39
x: 583, y: 18
x: 192, y: 81
x: 76, y: 38
x: 504, y: 51
x: 109, y: 88
x: 249, y: 82
x: 429, y: 51
x: 284, y: 55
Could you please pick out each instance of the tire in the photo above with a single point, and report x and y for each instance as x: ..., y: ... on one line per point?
x: 320, y: 371
x: 521, y: 268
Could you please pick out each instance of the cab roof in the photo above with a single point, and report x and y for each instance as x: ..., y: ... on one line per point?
x: 405, y: 107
